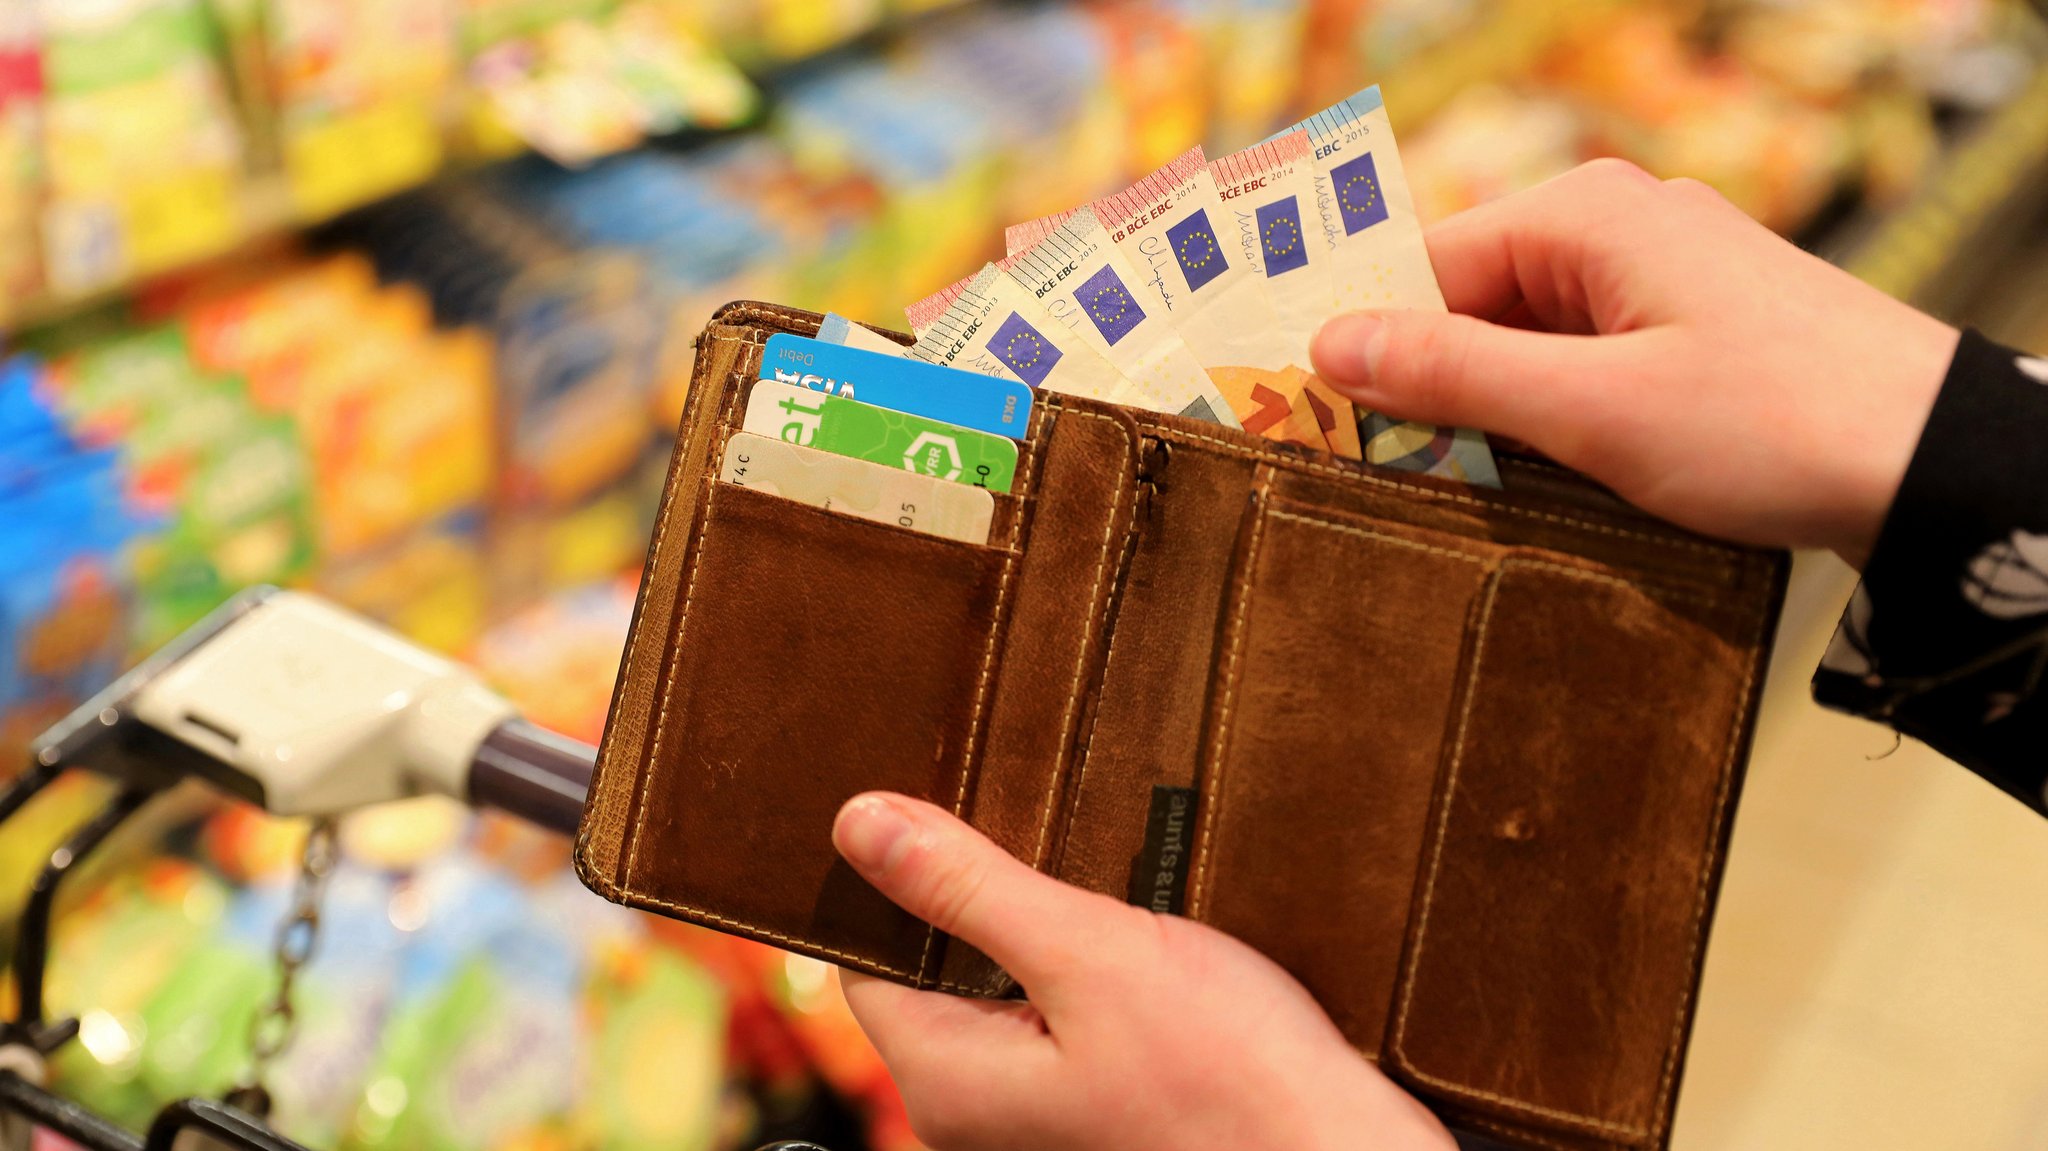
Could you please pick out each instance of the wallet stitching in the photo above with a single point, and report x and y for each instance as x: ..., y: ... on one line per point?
x: 1398, y: 541
x: 1658, y: 1112
x: 1495, y: 1127
x: 1216, y: 771
x: 700, y: 516
x: 668, y: 688
x: 1088, y: 741
x: 1291, y: 462
x: 1716, y: 842
x: 1657, y: 591
x: 746, y: 311
x: 764, y: 933
x: 1023, y: 486
x: 791, y: 942
x: 1095, y: 615
x: 632, y: 643
x: 661, y: 723
x: 1212, y: 786
x: 988, y: 659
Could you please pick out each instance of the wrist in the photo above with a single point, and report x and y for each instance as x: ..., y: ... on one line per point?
x: 1374, y: 1113
x: 1895, y: 418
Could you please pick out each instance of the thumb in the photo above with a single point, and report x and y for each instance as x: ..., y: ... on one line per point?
x: 1455, y: 370
x: 951, y: 876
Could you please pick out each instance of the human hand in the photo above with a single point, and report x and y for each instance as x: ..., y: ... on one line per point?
x: 1142, y: 1030
x: 1649, y: 334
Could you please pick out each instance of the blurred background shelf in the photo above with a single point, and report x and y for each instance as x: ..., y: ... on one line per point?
x: 1510, y: 40
x: 307, y: 303
x: 1932, y: 250
x: 298, y: 181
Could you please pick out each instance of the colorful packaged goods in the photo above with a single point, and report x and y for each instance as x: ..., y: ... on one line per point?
x: 396, y: 412
x: 453, y: 1002
x: 577, y: 81
x: 558, y: 658
x: 142, y: 149
x: 763, y: 32
x: 65, y: 589
x: 354, y: 89
x: 433, y: 585
x: 21, y: 156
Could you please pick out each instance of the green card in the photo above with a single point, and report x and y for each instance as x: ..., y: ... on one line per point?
x: 846, y: 427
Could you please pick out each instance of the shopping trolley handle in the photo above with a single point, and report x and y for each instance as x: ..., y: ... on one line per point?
x: 305, y: 709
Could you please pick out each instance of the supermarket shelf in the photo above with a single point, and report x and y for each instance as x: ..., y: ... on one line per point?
x: 1992, y: 181
x: 1507, y: 42
x: 270, y: 218
x: 271, y: 221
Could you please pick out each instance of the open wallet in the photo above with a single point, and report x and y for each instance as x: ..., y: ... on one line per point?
x: 1463, y: 760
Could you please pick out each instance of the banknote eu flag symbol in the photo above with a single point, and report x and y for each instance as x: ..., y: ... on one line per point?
x: 1280, y: 236
x: 1357, y: 185
x: 1194, y: 245
x: 1019, y: 346
x: 1108, y: 303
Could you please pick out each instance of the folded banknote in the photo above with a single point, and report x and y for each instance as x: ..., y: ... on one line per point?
x: 1198, y: 290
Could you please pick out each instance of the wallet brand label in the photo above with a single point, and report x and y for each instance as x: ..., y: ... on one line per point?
x: 1159, y: 876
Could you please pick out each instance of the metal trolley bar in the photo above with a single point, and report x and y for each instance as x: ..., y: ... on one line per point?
x: 32, y: 946
x: 20, y: 1097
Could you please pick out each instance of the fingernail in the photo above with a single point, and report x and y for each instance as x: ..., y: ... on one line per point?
x: 1347, y: 351
x: 868, y: 828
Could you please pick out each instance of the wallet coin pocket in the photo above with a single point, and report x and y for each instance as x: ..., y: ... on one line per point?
x: 1524, y: 933
x: 1453, y: 699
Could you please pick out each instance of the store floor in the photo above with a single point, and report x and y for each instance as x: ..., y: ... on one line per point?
x: 1878, y: 975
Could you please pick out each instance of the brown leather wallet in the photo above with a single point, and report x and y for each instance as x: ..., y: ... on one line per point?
x: 1462, y: 760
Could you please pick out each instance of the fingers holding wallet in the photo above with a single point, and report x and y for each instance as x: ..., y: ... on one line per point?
x: 949, y: 875
x: 1253, y: 1062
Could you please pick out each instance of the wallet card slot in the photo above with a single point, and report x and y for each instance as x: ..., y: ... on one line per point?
x: 1528, y: 942
x: 1336, y: 671
x: 894, y: 632
x: 1010, y: 506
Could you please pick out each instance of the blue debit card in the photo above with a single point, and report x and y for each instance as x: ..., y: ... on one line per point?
x: 949, y: 395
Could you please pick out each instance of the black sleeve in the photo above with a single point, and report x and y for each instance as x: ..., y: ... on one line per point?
x: 1947, y: 637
